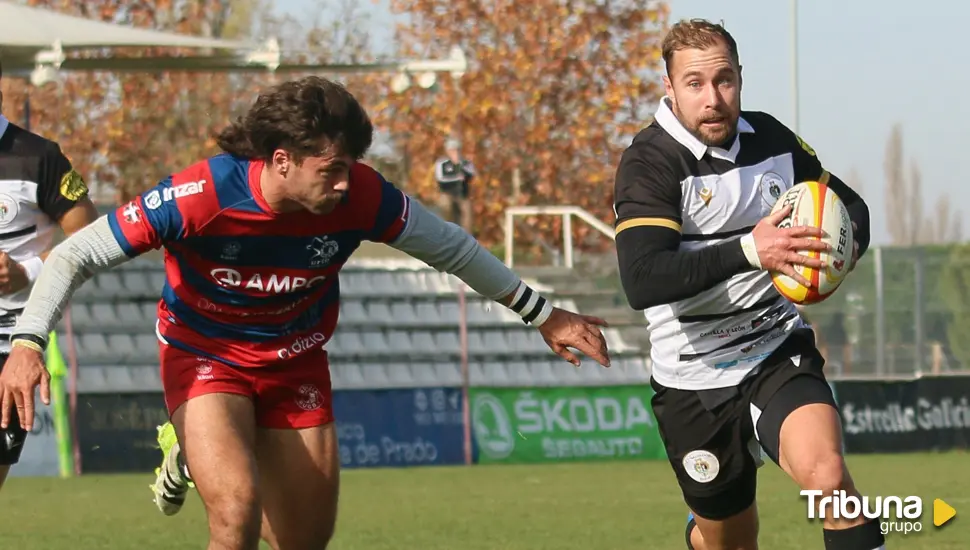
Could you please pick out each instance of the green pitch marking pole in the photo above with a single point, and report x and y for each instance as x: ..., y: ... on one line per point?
x: 62, y: 422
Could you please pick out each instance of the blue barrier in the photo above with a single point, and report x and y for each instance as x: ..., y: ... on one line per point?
x: 401, y: 427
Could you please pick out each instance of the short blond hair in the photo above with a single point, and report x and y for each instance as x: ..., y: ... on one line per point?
x: 697, y: 34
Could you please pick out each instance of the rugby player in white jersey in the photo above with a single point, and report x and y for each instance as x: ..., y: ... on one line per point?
x: 39, y: 192
x: 735, y: 367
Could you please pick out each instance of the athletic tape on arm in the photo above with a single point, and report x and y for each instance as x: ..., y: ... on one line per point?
x: 90, y: 250
x: 447, y: 247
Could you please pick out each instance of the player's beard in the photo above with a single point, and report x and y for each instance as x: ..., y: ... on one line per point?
x: 712, y: 137
x: 715, y: 136
x: 328, y: 203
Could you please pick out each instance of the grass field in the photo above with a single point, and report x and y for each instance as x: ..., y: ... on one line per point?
x: 610, y: 506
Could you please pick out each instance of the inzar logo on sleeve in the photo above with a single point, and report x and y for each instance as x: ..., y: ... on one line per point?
x: 153, y: 200
x: 894, y: 514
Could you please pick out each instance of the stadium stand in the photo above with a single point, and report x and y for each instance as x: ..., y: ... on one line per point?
x: 399, y: 328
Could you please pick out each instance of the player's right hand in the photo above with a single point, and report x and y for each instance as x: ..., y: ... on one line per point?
x: 23, y: 371
x: 778, y: 248
x: 565, y: 329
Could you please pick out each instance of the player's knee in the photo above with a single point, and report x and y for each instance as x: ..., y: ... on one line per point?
x: 235, y: 518
x: 824, y: 473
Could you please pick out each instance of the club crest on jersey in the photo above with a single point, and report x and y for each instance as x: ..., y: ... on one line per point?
x: 8, y: 209
x: 322, y: 249
x: 772, y: 186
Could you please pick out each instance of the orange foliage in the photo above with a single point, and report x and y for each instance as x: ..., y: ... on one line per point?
x: 554, y: 89
x: 126, y: 131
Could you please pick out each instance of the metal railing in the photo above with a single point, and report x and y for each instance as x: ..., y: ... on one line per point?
x: 566, y: 212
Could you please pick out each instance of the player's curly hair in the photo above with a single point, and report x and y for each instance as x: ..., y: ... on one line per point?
x: 295, y: 116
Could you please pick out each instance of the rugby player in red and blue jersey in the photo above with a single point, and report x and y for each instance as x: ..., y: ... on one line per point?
x: 254, y: 239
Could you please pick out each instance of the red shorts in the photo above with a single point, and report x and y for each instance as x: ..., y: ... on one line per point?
x: 294, y: 394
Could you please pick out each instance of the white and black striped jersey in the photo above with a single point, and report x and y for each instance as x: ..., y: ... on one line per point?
x: 38, y: 185
x: 710, y: 195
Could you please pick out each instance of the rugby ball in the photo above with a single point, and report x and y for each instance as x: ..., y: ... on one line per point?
x: 815, y: 204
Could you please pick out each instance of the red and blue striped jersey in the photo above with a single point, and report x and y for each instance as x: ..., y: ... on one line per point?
x: 244, y: 285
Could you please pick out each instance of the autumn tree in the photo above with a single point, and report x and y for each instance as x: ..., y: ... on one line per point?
x: 126, y: 131
x: 554, y: 92
x: 909, y: 224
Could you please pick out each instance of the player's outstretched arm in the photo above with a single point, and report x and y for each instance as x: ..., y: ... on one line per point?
x: 146, y: 223
x: 447, y: 247
x: 72, y: 262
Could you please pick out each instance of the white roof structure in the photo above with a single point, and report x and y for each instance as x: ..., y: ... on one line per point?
x: 37, y: 41
x: 25, y: 31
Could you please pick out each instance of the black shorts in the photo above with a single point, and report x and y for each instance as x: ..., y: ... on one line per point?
x: 11, y: 439
x: 714, y: 437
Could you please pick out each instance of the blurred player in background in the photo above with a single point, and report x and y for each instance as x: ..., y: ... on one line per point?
x: 734, y: 364
x: 39, y: 191
x: 254, y: 240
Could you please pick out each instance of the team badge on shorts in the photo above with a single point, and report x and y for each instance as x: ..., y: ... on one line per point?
x: 310, y: 398
x: 772, y: 186
x: 701, y: 466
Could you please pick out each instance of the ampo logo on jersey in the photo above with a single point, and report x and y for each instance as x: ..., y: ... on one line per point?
x: 263, y: 282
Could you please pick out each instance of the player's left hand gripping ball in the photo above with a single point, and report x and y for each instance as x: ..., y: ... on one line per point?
x: 564, y: 330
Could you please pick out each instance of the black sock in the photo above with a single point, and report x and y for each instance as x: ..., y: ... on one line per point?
x: 867, y: 536
x: 691, y: 525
